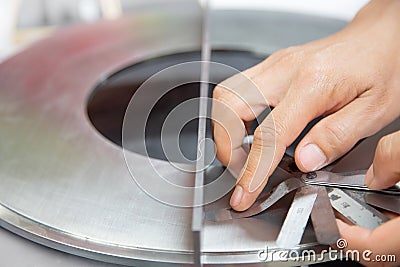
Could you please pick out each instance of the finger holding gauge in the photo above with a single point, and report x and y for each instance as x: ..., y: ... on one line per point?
x: 352, y: 78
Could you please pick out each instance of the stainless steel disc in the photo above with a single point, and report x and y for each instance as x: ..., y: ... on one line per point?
x: 64, y: 184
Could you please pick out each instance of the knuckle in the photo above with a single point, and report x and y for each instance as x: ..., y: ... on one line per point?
x: 258, y: 135
x: 283, y: 52
x: 274, y: 56
x: 321, y: 82
x: 289, y: 57
x: 229, y: 98
x: 219, y: 92
x: 248, y: 173
x: 385, y: 151
x: 336, y: 134
x: 292, y: 49
x: 262, y: 131
x: 279, y: 129
x: 381, y: 102
x: 374, y: 109
x: 224, y: 99
x: 287, y: 50
x: 268, y: 132
x: 314, y: 73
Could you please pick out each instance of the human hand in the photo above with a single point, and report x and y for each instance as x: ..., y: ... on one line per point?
x: 352, y: 78
x: 384, y: 240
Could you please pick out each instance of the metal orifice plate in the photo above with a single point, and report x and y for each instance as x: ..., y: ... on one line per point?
x: 64, y: 179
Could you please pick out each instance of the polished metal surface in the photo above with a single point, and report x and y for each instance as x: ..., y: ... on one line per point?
x: 386, y: 202
x: 357, y: 212
x: 65, y: 185
x: 297, y: 217
x: 198, y: 196
x: 323, y: 219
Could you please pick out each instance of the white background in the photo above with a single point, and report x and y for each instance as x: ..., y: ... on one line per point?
x: 343, y: 9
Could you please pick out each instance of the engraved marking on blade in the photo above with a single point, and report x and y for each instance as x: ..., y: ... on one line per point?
x: 297, y: 217
x: 359, y: 196
x: 323, y: 219
x: 354, y: 211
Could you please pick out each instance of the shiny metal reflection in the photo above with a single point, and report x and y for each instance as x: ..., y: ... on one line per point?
x: 65, y: 185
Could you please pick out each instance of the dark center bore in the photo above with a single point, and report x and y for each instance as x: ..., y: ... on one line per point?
x: 110, y: 99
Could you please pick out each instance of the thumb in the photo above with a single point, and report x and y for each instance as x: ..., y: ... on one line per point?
x: 385, y: 170
x: 378, y: 247
x: 336, y: 134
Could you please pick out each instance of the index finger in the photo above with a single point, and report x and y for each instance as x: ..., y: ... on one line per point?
x: 229, y: 112
x: 241, y: 98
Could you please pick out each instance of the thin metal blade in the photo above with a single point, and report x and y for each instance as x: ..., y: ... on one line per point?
x: 259, y: 206
x: 327, y: 178
x: 323, y: 219
x: 386, y: 202
x: 297, y: 217
x: 355, y: 211
x: 198, y: 198
x: 350, y: 180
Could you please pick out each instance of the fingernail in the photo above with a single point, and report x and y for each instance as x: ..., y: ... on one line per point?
x: 311, y: 157
x: 237, y: 196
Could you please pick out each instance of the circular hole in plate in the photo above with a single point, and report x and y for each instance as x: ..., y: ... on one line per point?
x: 107, y: 104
